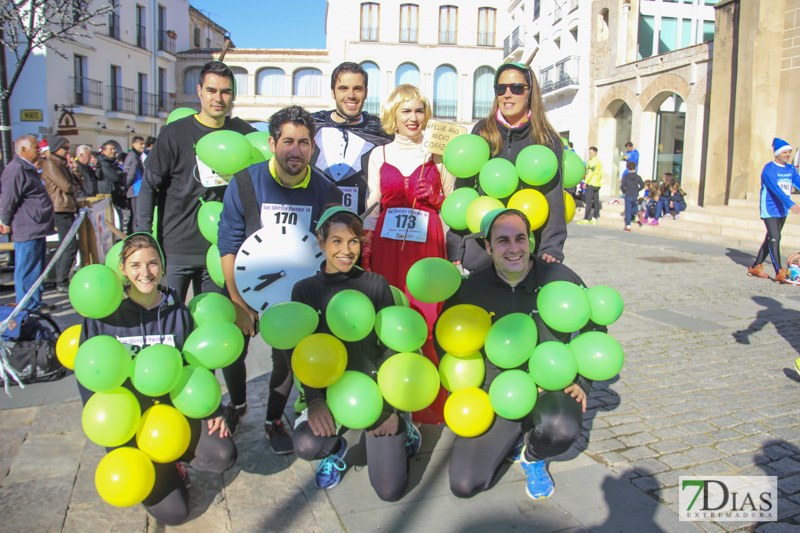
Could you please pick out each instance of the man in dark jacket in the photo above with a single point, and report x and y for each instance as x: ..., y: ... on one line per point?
x: 82, y: 156
x: 61, y: 186
x: 109, y: 175
x: 27, y: 211
x: 133, y: 169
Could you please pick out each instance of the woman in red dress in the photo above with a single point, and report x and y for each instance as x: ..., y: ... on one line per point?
x: 409, y: 186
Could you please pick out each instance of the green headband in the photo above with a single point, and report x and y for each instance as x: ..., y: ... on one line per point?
x: 332, y: 211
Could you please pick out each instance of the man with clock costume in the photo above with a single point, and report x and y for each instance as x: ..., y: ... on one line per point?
x: 174, y: 181
x: 266, y: 241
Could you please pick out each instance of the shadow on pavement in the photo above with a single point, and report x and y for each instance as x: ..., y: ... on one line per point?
x: 601, y: 398
x: 784, y: 320
x: 739, y: 257
x: 777, y: 457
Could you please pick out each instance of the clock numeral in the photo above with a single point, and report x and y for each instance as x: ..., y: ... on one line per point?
x: 247, y: 289
x: 245, y: 252
x: 256, y: 237
x: 318, y: 255
x: 241, y: 268
x: 305, y: 238
x: 264, y: 306
x: 284, y: 217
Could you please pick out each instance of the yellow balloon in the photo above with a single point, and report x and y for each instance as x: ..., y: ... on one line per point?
x: 462, y: 329
x: 460, y: 372
x: 569, y: 207
x: 163, y: 433
x: 533, y: 204
x: 124, y: 477
x: 319, y: 360
x: 478, y: 209
x: 67, y: 346
x: 468, y: 412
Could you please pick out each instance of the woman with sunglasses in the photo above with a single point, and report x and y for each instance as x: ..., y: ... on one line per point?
x: 517, y: 120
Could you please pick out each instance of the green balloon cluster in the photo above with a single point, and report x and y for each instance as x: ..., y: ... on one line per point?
x: 113, y: 258
x: 208, y: 219
x: 179, y: 113
x: 606, y: 305
x: 260, y: 142
x: 599, y: 356
x: 455, y: 205
x: 110, y: 418
x: 350, y: 315
x: 214, y: 265
x: 513, y: 394
x: 355, y: 400
x: 408, y: 381
x: 102, y: 363
x: 285, y: 324
x: 553, y: 365
x: 211, y: 307
x: 156, y: 369
x: 95, y: 291
x: 461, y: 372
x: 401, y: 329
x: 574, y: 169
x: 399, y: 297
x: 511, y: 340
x: 498, y: 178
x: 478, y: 209
x: 433, y: 280
x: 197, y: 393
x: 465, y: 155
x: 536, y: 164
x: 564, y: 306
x: 225, y: 151
x: 213, y: 345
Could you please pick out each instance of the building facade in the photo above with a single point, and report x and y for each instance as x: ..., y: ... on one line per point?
x: 650, y: 65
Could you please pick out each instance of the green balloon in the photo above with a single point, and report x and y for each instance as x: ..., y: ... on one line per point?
x: 574, y: 169
x: 197, y: 393
x: 285, y: 324
x: 553, y: 365
x: 498, y: 178
x: 110, y: 418
x: 564, y: 306
x: 399, y: 297
x: 213, y: 345
x: 433, y: 279
x: 179, y: 113
x: 225, y: 151
x: 350, y: 315
x: 355, y: 400
x: 606, y: 303
x: 511, y: 340
x: 461, y: 372
x: 95, y: 291
x: 478, y: 209
x: 400, y: 328
x: 113, y: 258
x: 155, y: 370
x: 208, y: 220
x: 211, y: 307
x: 260, y: 142
x: 408, y: 381
x: 454, y: 207
x: 102, y: 363
x: 513, y: 394
x: 598, y: 354
x: 533, y: 242
x: 214, y: 265
x: 536, y: 164
x: 465, y: 155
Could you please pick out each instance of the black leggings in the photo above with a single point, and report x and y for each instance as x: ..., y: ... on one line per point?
x: 387, y: 459
x: 772, y: 243
x: 591, y: 198
x: 64, y: 265
x: 557, y: 420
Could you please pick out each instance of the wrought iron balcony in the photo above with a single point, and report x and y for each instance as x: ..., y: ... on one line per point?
x: 447, y: 37
x: 166, y: 42
x: 407, y: 35
x: 444, y: 108
x: 369, y: 34
x: 485, y: 38
x: 87, y: 92
x: 123, y: 100
x: 564, y: 74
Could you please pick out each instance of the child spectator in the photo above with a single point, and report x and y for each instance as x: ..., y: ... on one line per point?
x: 631, y: 185
x: 677, y: 200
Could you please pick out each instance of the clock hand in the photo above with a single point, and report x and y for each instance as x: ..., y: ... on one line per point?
x: 268, y: 279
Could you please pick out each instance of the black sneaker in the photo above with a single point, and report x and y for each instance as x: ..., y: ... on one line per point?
x: 279, y: 440
x: 233, y: 416
x: 183, y: 472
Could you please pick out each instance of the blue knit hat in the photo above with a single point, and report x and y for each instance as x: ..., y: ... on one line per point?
x: 779, y: 145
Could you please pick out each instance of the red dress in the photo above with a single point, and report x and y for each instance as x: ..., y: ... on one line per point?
x: 392, y: 259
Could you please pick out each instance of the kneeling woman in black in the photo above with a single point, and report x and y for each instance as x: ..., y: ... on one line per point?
x: 391, y: 440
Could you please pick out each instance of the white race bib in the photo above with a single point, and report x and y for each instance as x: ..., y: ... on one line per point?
x: 278, y: 215
x: 786, y: 186
x: 350, y: 198
x: 209, y: 177
x: 397, y: 219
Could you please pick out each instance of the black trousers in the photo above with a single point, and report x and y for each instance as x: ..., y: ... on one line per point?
x: 591, y: 197
x: 64, y: 265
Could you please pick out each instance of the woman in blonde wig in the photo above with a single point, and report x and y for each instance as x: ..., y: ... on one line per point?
x: 518, y: 120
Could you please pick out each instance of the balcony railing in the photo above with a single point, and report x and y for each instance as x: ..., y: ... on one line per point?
x: 444, y: 108
x: 485, y: 38
x: 447, y: 37
x: 141, y: 37
x: 557, y: 14
x: 369, y: 33
x: 88, y: 92
x: 536, y: 9
x: 166, y: 43
x: 573, y: 5
x: 372, y: 105
x: 407, y: 35
x: 562, y: 74
x: 146, y: 105
x: 165, y: 102
x: 123, y: 100
x: 481, y: 108
x: 113, y: 25
x: 512, y: 42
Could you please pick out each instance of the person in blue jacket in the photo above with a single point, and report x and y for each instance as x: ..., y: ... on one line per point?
x: 631, y: 155
x: 777, y: 180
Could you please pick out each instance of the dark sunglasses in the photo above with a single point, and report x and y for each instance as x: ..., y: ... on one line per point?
x: 516, y: 88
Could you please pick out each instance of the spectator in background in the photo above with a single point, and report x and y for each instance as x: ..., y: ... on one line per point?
x: 631, y: 155
x: 27, y: 211
x: 93, y: 160
x: 62, y: 188
x: 109, y: 175
x: 84, y: 170
x: 591, y: 195
x: 133, y: 169
x: 631, y: 185
x: 148, y: 145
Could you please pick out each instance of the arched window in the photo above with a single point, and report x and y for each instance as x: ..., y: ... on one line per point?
x: 445, y: 92
x: 373, y: 102
x: 407, y: 73
x: 270, y: 82
x: 190, y: 78
x: 483, y: 92
x: 602, y: 25
x: 242, y: 83
x: 307, y: 82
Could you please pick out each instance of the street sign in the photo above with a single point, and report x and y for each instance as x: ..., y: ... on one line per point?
x: 30, y: 115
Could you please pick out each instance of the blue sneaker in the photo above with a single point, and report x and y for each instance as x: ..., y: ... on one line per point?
x: 413, y: 437
x: 330, y: 469
x: 516, y: 452
x: 540, y: 484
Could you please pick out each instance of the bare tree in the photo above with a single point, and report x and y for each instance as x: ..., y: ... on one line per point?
x: 29, y: 24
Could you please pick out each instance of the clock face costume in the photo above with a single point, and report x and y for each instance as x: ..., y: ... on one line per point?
x: 271, y: 261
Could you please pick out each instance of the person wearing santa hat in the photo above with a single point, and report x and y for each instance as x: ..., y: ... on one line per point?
x: 777, y: 180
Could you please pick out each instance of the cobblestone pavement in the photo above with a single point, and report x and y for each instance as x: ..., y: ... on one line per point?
x: 708, y: 388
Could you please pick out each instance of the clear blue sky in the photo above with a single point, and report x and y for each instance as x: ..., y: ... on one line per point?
x: 269, y: 23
